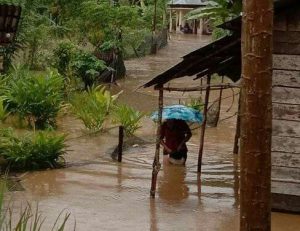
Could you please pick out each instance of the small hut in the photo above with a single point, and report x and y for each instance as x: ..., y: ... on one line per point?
x: 224, y: 58
x: 180, y: 8
x: 9, y: 19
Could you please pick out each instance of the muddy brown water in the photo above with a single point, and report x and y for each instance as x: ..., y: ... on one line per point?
x: 102, y: 194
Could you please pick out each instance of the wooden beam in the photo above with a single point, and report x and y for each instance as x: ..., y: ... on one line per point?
x: 200, y: 88
x: 203, y: 127
x: 156, y: 164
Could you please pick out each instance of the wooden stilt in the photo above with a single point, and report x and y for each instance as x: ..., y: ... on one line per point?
x: 219, y: 103
x: 203, y: 124
x: 237, y: 132
x: 120, y: 145
x: 201, y: 80
x: 156, y: 163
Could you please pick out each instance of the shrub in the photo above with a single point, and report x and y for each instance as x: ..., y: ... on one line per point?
x: 128, y: 117
x: 64, y: 55
x: 37, y: 99
x: 32, y: 151
x: 93, y: 107
x: 88, y: 68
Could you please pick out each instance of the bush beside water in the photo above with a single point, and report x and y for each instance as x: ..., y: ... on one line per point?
x: 33, y: 150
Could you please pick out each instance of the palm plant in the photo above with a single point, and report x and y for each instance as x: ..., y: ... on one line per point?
x: 92, y: 107
x: 36, y: 98
x: 3, y: 110
x: 128, y: 117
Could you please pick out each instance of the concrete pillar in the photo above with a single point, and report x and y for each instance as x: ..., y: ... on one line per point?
x: 201, y: 26
x: 177, y: 23
x: 170, y: 22
x: 180, y: 18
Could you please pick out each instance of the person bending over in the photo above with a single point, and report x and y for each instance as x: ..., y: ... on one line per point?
x: 174, y: 135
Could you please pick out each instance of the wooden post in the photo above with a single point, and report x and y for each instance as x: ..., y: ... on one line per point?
x: 201, y: 82
x: 203, y: 124
x: 219, y: 103
x: 256, y: 115
x: 238, y: 129
x: 120, y: 145
x: 156, y: 163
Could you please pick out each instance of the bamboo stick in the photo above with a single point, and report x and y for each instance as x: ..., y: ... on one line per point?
x: 203, y: 124
x: 219, y: 103
x: 156, y: 163
x: 203, y: 87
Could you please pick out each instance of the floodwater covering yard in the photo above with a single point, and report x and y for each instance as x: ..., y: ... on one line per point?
x: 102, y: 194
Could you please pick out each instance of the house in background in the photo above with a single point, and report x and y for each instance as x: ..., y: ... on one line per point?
x: 178, y: 9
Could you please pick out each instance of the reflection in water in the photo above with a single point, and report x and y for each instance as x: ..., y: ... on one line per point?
x: 172, y: 185
x: 46, y: 183
x: 153, y: 215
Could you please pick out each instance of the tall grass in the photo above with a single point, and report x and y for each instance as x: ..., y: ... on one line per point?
x: 128, y: 117
x: 32, y: 151
x: 93, y: 107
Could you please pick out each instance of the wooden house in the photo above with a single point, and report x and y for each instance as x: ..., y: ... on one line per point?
x: 224, y: 58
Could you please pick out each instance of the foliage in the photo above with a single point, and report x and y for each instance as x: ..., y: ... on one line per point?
x: 88, y: 68
x: 196, y: 104
x: 64, y: 55
x: 3, y: 110
x: 28, y: 220
x: 36, y: 98
x: 93, y: 106
x: 218, y: 11
x: 128, y: 117
x: 32, y: 151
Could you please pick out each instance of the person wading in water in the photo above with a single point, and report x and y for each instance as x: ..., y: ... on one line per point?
x: 174, y: 135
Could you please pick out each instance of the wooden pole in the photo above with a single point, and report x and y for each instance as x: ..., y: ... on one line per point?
x: 156, y: 163
x: 203, y: 124
x: 256, y: 115
x: 238, y: 129
x: 201, y: 82
x: 219, y: 103
x: 120, y: 145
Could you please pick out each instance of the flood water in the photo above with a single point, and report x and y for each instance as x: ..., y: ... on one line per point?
x: 102, y: 194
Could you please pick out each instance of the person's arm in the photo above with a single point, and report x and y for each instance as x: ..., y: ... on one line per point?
x: 162, y: 142
x: 188, y: 135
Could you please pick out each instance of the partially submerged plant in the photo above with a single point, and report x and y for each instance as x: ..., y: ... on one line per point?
x: 92, y: 107
x: 196, y: 104
x: 128, y: 117
x: 33, y: 150
x: 36, y: 98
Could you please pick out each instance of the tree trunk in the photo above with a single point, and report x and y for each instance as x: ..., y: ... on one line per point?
x: 256, y: 115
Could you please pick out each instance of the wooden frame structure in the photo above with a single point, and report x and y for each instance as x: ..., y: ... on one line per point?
x: 224, y: 58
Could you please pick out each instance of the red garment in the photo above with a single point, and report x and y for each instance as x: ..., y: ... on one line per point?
x: 175, y: 135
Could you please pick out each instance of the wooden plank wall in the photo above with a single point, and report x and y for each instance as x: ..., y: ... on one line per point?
x: 286, y: 112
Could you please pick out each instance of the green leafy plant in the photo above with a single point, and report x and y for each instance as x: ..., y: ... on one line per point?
x: 33, y: 150
x: 88, y: 68
x: 36, y: 98
x: 93, y: 106
x: 3, y: 110
x: 196, y: 104
x: 128, y: 117
x: 64, y: 55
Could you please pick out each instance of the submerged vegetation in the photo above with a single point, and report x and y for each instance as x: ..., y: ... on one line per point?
x: 32, y: 150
